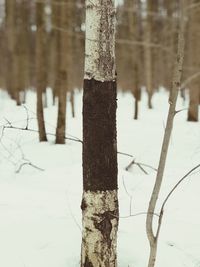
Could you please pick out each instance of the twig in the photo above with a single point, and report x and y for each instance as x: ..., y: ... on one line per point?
x: 180, y: 110
x: 133, y: 215
x: 70, y: 210
x: 125, y: 154
x: 130, y: 196
x: 130, y: 165
x: 170, y: 193
x: 148, y: 166
x: 36, y: 131
x: 11, y: 158
x: 30, y: 164
x: 139, y: 164
x: 141, y: 168
x: 27, y: 116
x: 75, y: 139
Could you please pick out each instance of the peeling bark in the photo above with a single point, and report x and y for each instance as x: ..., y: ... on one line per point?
x: 100, y: 224
x: 100, y: 40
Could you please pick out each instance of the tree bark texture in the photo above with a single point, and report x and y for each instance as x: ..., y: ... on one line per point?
x: 40, y: 68
x: 148, y: 51
x: 10, y: 9
x: 62, y: 73
x: 194, y: 88
x: 100, y: 199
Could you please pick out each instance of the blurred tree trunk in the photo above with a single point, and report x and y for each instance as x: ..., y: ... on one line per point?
x: 10, y: 9
x: 72, y: 103
x: 137, y: 57
x: 53, y: 60
x: 23, y: 47
x: 40, y: 67
x: 194, y: 43
x: 62, y: 74
x: 148, y: 53
x: 100, y: 201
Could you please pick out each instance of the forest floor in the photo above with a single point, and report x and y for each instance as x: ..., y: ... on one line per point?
x: 40, y: 216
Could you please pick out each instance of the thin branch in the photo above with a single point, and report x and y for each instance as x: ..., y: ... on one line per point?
x: 169, y: 195
x: 36, y: 131
x: 72, y: 138
x: 130, y: 165
x: 180, y: 110
x: 133, y: 215
x: 27, y: 116
x: 141, y: 168
x: 148, y: 166
x: 29, y: 164
x: 189, y: 79
x: 130, y: 196
x: 125, y: 154
x: 139, y: 164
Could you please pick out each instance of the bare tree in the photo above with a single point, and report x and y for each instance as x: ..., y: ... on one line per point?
x: 40, y: 67
x: 153, y: 238
x: 148, y: 53
x: 194, y: 42
x: 10, y: 8
x: 100, y: 200
x: 62, y: 74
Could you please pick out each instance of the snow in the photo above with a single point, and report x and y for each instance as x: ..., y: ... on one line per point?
x: 40, y: 216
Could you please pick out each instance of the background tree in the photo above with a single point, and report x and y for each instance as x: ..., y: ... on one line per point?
x: 62, y: 78
x: 41, y: 78
x: 10, y: 21
x: 194, y: 61
x: 148, y: 53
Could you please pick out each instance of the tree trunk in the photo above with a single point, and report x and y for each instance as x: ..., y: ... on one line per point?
x: 62, y: 75
x: 148, y: 53
x: 10, y: 8
x: 193, y: 111
x: 23, y: 46
x: 194, y: 42
x: 40, y: 68
x: 136, y: 109
x: 72, y: 103
x: 153, y: 238
x: 100, y: 200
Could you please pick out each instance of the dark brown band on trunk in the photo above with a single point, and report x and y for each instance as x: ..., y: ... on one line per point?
x: 99, y: 136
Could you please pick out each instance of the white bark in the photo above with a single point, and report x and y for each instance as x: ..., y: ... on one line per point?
x: 100, y: 223
x: 100, y: 40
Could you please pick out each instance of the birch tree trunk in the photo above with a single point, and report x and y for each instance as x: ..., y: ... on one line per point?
x: 153, y: 238
x: 100, y: 200
x: 40, y: 68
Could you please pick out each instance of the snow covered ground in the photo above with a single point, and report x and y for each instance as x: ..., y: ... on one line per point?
x: 40, y: 216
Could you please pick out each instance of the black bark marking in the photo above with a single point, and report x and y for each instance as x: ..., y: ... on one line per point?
x: 105, y: 225
x: 88, y: 263
x: 99, y: 136
x: 83, y: 204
